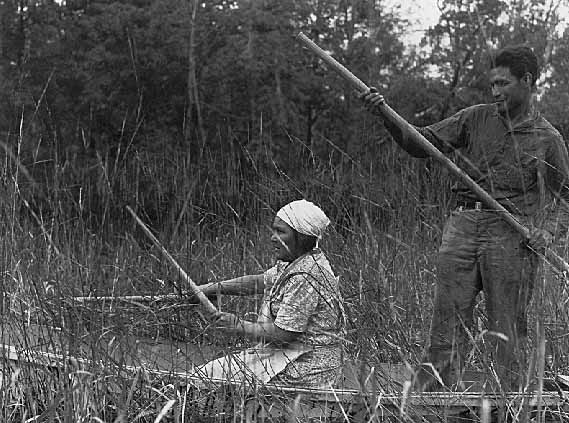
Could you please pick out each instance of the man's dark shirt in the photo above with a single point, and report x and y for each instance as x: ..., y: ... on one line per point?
x: 525, y: 167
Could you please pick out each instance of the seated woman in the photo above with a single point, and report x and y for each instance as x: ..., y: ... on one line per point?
x: 301, y: 322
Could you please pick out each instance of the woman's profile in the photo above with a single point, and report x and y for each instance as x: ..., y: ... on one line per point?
x: 300, y: 322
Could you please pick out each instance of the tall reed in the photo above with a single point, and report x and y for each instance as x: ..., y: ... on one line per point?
x: 213, y: 214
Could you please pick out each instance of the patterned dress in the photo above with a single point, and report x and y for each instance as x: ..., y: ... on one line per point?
x: 304, y: 297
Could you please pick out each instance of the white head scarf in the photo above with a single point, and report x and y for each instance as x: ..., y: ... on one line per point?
x: 304, y: 217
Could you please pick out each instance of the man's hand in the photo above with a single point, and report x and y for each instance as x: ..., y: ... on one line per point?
x: 539, y: 239
x: 372, y: 100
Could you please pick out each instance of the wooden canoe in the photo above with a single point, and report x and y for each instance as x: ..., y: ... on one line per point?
x: 204, y: 400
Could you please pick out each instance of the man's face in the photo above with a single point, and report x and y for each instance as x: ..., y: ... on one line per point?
x: 512, y: 94
x: 284, y: 241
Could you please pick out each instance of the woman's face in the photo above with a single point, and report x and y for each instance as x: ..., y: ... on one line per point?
x: 284, y: 241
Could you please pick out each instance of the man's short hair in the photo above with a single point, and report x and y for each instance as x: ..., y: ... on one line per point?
x: 519, y: 59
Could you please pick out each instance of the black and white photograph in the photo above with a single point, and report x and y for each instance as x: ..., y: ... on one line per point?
x: 241, y: 211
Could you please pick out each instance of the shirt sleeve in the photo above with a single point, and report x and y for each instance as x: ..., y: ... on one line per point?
x: 448, y: 134
x: 299, y: 303
x: 269, y: 278
x: 556, y: 177
x: 557, y: 170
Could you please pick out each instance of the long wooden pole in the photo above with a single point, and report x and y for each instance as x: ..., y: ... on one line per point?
x: 193, y: 287
x: 559, y: 263
x: 137, y: 298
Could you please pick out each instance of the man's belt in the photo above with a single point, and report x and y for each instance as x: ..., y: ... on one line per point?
x: 469, y: 205
x: 463, y: 205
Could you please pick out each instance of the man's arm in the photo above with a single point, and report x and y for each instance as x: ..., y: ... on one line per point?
x: 372, y: 100
x: 557, y: 181
x: 557, y: 169
x: 446, y: 135
x: 553, y: 217
x: 406, y: 142
x: 243, y: 285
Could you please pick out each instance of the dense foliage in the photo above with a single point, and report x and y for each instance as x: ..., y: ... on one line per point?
x: 193, y: 99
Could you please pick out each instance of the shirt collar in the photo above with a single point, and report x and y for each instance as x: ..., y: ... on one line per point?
x: 532, y: 121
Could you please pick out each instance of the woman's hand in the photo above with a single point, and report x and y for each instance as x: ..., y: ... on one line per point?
x: 228, y: 321
x: 210, y: 289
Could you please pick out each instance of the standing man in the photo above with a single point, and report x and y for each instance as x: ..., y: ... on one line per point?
x: 509, y: 149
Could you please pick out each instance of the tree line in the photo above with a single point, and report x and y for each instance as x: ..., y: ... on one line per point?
x: 212, y: 113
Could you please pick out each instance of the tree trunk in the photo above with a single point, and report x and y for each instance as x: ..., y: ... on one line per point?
x: 192, y: 88
x: 281, y: 112
x: 252, y: 86
x: 309, y: 124
x: 22, y: 36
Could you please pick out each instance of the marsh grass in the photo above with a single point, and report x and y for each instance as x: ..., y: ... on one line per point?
x: 74, y: 239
